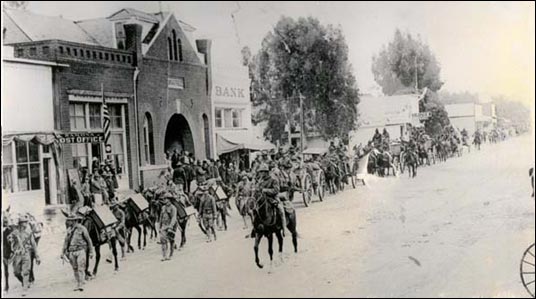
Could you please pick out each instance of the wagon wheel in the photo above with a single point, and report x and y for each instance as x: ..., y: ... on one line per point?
x: 527, y: 270
x: 321, y: 187
x: 307, y: 190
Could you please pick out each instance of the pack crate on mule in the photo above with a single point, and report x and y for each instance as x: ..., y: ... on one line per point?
x: 103, y: 217
x: 138, y: 203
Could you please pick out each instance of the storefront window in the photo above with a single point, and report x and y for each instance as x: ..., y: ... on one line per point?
x: 28, y: 166
x: 236, y: 118
x: 116, y: 141
x: 7, y: 168
x: 77, y: 116
x: 219, y: 118
x: 95, y: 119
x: 80, y: 155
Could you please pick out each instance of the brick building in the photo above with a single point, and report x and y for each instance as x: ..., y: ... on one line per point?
x: 155, y: 81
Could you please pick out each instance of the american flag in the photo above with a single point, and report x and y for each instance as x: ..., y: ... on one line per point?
x: 106, y: 123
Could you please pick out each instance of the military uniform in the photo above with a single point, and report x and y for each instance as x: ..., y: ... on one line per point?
x: 25, y: 246
x: 271, y: 187
x: 244, y: 191
x: 207, y: 213
x: 77, y: 242
x: 168, y: 226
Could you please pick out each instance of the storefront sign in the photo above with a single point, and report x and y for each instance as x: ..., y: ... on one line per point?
x: 82, y: 137
x: 422, y: 115
x: 229, y: 92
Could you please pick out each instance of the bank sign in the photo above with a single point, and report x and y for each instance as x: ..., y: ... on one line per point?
x: 80, y: 137
x: 229, y: 92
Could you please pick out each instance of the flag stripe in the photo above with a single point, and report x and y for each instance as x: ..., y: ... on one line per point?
x: 106, y: 123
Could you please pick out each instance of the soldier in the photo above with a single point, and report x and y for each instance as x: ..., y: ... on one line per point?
x: 23, y: 248
x: 232, y: 176
x: 179, y: 176
x: 207, y: 211
x: 200, y: 173
x: 243, y: 192
x: 120, y: 227
x: 77, y: 243
x: 168, y: 226
x: 269, y: 186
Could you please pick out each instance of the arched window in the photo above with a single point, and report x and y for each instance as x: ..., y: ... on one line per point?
x: 170, y: 48
x: 174, y: 34
x: 206, y: 128
x: 179, y: 44
x: 148, y: 139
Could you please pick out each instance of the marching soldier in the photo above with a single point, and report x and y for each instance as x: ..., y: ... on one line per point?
x: 26, y: 245
x: 120, y: 227
x: 207, y: 211
x: 77, y: 243
x: 168, y: 226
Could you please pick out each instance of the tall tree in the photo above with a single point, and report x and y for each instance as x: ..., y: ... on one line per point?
x: 303, y: 57
x: 439, y: 118
x: 404, y: 63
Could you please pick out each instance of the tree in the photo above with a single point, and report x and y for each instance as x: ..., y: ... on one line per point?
x: 406, y: 62
x: 439, y: 117
x: 303, y: 57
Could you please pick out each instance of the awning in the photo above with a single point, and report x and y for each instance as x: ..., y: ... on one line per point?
x: 45, y: 138
x: 231, y: 141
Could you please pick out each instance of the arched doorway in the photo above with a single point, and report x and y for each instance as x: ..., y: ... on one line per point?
x: 206, y: 128
x: 178, y: 135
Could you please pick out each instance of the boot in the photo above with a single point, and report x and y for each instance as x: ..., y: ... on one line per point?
x: 283, y: 218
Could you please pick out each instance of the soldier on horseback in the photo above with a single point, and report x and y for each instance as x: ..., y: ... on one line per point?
x: 269, y: 186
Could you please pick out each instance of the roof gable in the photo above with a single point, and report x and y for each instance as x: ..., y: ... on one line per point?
x: 38, y: 27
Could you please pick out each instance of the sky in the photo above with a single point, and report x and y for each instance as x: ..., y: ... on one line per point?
x: 483, y: 47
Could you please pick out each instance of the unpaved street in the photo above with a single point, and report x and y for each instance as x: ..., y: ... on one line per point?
x: 458, y: 229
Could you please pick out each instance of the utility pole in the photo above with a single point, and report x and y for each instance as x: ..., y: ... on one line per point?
x: 301, y: 123
x: 416, y: 76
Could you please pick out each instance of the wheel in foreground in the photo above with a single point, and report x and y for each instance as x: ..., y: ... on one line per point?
x: 527, y: 270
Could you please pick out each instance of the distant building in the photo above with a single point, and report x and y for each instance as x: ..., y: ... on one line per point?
x: 397, y: 114
x: 472, y: 116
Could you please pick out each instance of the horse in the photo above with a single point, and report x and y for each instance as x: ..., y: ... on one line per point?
x: 332, y: 175
x: 182, y: 220
x: 133, y: 221
x: 477, y: 141
x: 10, y: 245
x: 266, y: 223
x: 411, y: 160
x: 7, y: 241
x: 98, y: 240
x: 155, y: 207
x: 423, y: 155
x: 379, y: 162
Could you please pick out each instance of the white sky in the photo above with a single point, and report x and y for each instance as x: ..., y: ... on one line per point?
x: 483, y: 47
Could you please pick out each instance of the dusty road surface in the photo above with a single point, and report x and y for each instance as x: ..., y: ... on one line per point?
x: 458, y: 229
